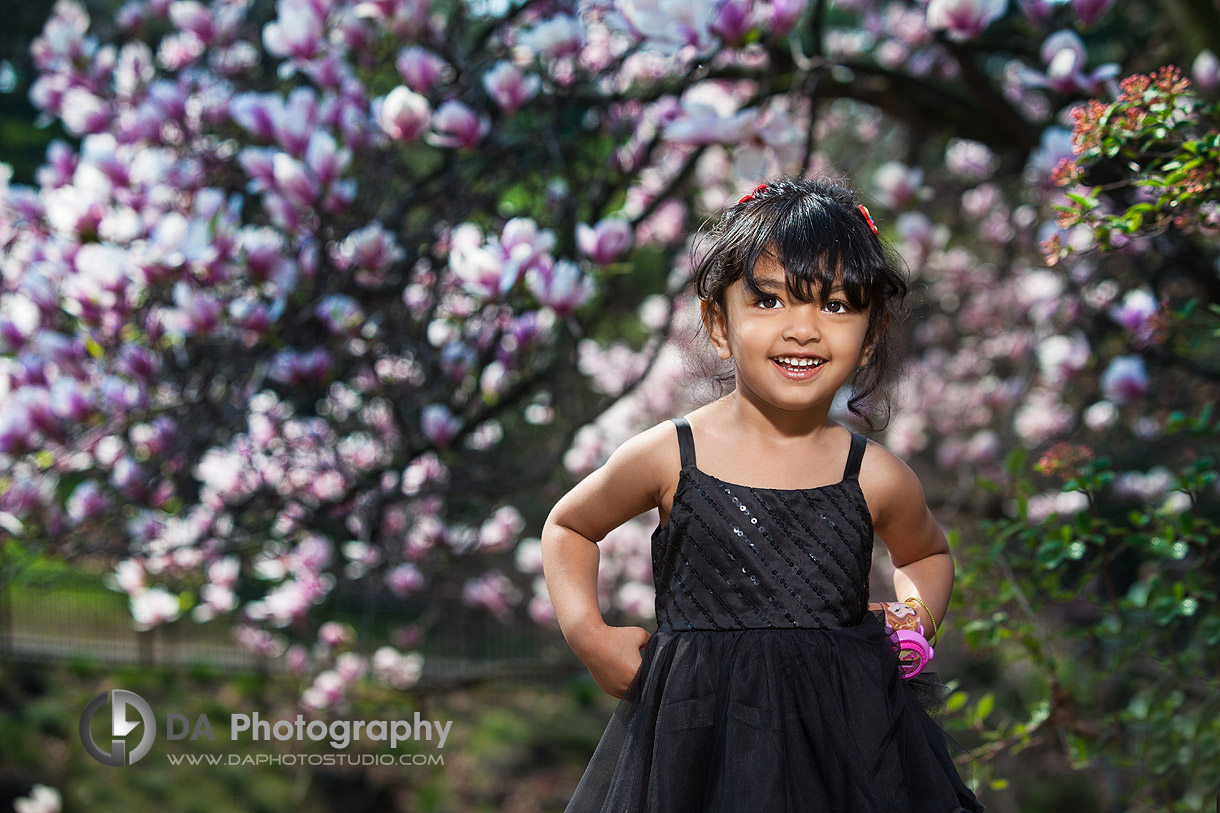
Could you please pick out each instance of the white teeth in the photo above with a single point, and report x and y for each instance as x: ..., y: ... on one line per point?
x: 799, y: 362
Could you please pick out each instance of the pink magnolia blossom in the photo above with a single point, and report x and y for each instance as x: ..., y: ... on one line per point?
x: 604, y: 243
x: 129, y: 576
x: 1042, y: 417
x: 407, y: 19
x: 195, y: 311
x: 403, y: 114
x: 405, y: 579
x: 637, y: 599
x: 509, y: 87
x: 327, y: 691
x: 611, y: 370
x: 968, y: 159
x: 370, y: 247
x: 193, y: 17
x: 1206, y: 71
x: 482, y: 269
x: 1065, y: 57
x: 325, y: 159
x: 333, y: 635
x: 298, y: 369
x: 541, y: 610
x: 223, y: 572
x: 294, y: 181
x: 296, y: 660
x: 153, y: 607
x: 457, y: 126
x: 63, y: 39
x: 397, y: 669
x: 1138, y: 307
x: 733, y: 21
x: 501, y: 530
x: 86, y: 501
x: 259, y: 641
x: 1089, y: 11
x: 1144, y: 486
x: 783, y: 15
x: 215, y: 600
x: 1061, y: 357
x: 439, y: 425
x: 563, y: 287
x: 42, y: 799
x: 964, y: 19
x: 341, y: 314
x: 897, y: 185
x: 669, y: 25
x: 523, y: 241
x: 708, y: 114
x: 82, y: 112
x: 257, y: 113
x: 493, y: 592
x: 298, y: 32
x: 492, y: 269
x: 528, y: 555
x: 420, y: 68
x: 556, y: 37
x: 1125, y: 379
x: 179, y: 50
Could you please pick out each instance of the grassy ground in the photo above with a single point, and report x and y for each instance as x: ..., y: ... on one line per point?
x: 510, y: 748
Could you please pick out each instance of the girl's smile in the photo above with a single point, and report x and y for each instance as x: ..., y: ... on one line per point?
x: 799, y: 367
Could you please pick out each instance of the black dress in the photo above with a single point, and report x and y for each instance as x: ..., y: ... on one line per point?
x: 769, y: 685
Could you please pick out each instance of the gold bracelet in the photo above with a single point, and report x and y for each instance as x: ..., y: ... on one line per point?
x: 935, y: 628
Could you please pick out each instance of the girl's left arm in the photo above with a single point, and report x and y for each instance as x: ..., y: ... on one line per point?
x: 923, y: 566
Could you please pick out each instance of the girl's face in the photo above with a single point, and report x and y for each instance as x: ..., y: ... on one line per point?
x: 790, y: 354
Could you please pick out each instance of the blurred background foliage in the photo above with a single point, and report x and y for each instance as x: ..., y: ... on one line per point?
x: 1084, y: 629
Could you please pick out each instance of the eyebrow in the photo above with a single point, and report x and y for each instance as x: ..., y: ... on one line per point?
x: 771, y: 285
x: 768, y: 284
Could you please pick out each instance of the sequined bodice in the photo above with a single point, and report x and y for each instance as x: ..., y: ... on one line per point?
x: 737, y: 557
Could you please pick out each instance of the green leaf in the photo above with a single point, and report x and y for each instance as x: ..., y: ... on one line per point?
x: 94, y: 348
x: 985, y: 707
x: 1014, y: 462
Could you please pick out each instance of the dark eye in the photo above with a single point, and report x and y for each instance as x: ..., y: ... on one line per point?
x: 837, y: 306
x: 767, y: 302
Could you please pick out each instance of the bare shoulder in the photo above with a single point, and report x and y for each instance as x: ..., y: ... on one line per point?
x: 890, y: 486
x: 640, y: 475
x: 652, y: 455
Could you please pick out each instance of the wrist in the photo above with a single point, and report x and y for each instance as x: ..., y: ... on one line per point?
x: 930, y: 624
x: 583, y: 632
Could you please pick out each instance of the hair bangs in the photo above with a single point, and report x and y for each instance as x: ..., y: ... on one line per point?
x: 817, y: 248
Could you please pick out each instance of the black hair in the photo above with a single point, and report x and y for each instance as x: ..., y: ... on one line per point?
x: 816, y: 230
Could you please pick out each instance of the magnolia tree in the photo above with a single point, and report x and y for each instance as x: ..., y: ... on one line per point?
x: 285, y: 318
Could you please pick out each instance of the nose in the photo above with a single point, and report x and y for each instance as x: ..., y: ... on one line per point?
x: 803, y: 323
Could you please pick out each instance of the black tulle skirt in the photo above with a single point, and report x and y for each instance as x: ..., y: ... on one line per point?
x: 775, y: 720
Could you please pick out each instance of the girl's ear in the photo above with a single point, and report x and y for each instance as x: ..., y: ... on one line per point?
x: 713, y: 322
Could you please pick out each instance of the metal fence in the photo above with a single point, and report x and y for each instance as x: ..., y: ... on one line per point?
x: 74, y: 618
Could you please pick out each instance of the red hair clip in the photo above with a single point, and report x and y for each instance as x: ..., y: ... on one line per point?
x: 868, y: 218
x: 750, y: 196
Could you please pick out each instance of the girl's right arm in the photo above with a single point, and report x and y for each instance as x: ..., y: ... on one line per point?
x: 631, y: 482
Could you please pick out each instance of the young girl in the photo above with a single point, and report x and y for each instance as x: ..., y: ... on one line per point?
x: 771, y: 684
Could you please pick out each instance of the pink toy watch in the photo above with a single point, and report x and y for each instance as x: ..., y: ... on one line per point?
x: 914, y: 651
x: 913, y: 648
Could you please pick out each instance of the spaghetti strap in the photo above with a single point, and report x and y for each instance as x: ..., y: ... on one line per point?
x: 854, y: 456
x: 686, y: 442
